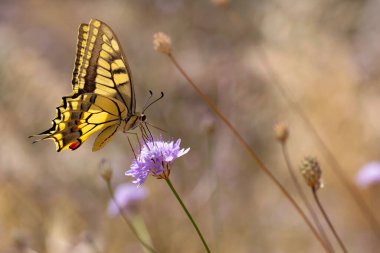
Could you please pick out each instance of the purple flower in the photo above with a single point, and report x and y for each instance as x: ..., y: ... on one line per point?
x: 155, y: 158
x: 127, y: 197
x: 369, y: 174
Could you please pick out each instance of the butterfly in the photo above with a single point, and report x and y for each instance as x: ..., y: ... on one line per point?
x: 103, y: 97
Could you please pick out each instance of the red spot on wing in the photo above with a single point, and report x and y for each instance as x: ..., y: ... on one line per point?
x: 75, y: 144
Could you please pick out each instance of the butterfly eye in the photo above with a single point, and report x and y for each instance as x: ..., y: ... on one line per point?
x: 143, y: 117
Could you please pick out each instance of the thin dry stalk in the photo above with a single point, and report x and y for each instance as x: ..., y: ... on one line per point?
x: 304, y: 198
x: 252, y: 153
x: 334, y: 164
x: 328, y: 220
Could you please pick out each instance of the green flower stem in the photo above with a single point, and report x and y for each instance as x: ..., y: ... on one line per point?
x: 138, y: 222
x: 188, y: 214
x: 126, y: 219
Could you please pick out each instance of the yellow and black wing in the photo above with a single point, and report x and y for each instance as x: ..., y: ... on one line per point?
x: 100, y: 65
x: 103, y: 95
x: 82, y: 116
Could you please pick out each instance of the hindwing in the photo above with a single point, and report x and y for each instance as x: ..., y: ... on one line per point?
x: 79, y: 117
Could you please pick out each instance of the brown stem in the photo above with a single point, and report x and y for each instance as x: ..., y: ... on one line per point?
x: 314, y: 190
x: 303, y: 197
x: 334, y: 164
x: 252, y: 153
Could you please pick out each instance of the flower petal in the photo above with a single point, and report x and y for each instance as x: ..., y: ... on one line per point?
x: 153, y: 157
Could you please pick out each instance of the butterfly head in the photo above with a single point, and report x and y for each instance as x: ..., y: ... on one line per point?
x: 142, y: 117
x: 139, y: 118
x: 134, y: 121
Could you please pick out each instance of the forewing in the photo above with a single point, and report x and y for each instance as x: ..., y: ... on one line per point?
x: 78, y: 72
x: 101, y: 66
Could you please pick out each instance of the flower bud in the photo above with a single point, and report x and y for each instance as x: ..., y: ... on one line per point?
x: 105, y: 170
x: 162, y: 43
x: 281, y: 132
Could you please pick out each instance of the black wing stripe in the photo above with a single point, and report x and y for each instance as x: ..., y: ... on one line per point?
x: 82, y: 33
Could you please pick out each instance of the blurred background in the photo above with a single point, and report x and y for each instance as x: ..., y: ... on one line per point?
x: 325, y: 55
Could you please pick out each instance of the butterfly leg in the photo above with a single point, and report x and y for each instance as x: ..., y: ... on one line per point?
x: 137, y: 139
x: 145, y: 133
x: 133, y: 150
x: 145, y: 126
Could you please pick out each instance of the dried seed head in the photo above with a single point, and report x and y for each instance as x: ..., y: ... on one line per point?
x: 312, y: 172
x: 162, y: 43
x: 281, y: 131
x: 105, y: 170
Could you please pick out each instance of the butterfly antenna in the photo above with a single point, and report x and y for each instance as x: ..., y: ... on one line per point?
x: 162, y: 130
x: 148, y: 98
x: 162, y: 95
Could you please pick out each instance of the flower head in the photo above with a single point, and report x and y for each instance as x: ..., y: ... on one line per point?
x: 127, y: 197
x: 156, y: 158
x: 162, y: 43
x: 312, y: 172
x: 369, y: 174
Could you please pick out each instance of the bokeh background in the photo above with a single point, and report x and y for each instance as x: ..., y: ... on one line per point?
x: 324, y: 54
